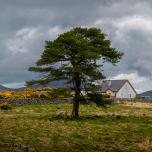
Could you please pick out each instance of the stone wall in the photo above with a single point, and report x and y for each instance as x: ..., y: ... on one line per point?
x: 35, y: 101
x: 26, y: 101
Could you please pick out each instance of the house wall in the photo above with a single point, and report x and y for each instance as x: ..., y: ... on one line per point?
x: 126, y: 92
x: 112, y: 94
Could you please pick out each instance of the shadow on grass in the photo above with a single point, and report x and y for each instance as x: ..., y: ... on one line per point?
x: 102, y: 119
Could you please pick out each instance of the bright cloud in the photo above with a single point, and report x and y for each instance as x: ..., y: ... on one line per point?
x: 55, y: 31
x: 22, y: 39
x: 15, y: 85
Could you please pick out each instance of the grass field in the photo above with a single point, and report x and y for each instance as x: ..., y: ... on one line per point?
x: 47, y: 128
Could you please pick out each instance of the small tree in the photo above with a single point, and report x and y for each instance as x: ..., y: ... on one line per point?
x: 77, y: 56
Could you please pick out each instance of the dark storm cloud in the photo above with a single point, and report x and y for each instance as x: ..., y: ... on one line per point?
x: 26, y: 24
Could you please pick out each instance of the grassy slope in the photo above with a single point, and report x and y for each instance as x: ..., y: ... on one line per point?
x: 96, y: 130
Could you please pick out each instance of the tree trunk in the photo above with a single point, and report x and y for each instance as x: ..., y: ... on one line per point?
x: 77, y: 85
x: 75, y: 111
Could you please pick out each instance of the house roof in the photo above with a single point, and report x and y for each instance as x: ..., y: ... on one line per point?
x: 113, y: 85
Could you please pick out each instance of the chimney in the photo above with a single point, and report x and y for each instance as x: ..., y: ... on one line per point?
x: 109, y: 83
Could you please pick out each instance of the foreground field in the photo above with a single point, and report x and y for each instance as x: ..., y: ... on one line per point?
x: 47, y: 128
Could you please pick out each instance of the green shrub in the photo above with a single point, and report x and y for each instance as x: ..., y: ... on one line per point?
x: 5, y: 106
x: 82, y: 99
x: 106, y: 95
x: 59, y: 93
x: 99, y: 99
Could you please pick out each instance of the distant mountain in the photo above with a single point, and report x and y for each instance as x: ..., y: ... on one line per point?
x: 54, y: 84
x: 2, y: 88
x: 147, y: 94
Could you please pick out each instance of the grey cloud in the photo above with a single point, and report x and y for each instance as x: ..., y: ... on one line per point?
x: 126, y: 23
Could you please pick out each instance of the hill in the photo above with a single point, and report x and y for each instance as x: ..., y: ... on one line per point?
x: 147, y: 94
x: 2, y: 88
x: 54, y: 84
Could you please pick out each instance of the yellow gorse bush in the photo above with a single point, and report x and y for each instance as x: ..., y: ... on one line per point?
x: 5, y: 105
x: 6, y: 94
x: 32, y: 93
x: 28, y: 93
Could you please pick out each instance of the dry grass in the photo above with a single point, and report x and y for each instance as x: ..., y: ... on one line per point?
x: 118, y: 128
x: 139, y: 104
x: 146, y: 145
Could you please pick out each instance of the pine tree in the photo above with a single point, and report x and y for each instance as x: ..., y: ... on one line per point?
x: 77, y: 56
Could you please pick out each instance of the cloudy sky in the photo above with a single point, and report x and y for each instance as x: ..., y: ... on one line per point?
x: 26, y: 24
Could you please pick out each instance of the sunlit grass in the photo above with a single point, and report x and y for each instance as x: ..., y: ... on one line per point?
x: 119, y: 128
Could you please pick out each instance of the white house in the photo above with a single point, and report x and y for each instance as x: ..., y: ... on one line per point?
x: 118, y: 89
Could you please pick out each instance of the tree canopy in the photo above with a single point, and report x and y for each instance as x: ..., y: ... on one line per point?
x: 77, y: 56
